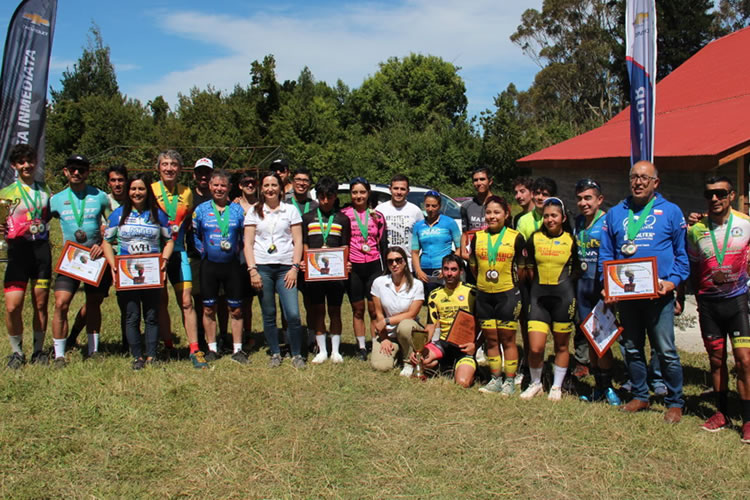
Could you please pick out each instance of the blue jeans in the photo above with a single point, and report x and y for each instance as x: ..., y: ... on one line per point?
x: 272, y: 276
x: 131, y: 302
x: 654, y: 318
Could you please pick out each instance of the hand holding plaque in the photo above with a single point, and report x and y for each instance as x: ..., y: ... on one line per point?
x: 463, y: 330
x: 629, y: 279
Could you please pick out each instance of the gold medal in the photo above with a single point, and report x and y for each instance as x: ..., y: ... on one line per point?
x: 719, y: 277
x: 81, y: 236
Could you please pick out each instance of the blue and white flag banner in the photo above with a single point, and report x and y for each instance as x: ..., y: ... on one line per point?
x: 640, y: 43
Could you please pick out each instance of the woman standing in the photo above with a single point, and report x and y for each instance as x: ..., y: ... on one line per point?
x: 397, y: 298
x: 552, y: 263
x: 273, y: 251
x: 139, y: 227
x: 433, y: 238
x: 367, y: 244
x: 496, y: 258
x: 247, y: 199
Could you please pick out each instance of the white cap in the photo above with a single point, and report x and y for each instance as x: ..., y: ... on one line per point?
x: 204, y: 162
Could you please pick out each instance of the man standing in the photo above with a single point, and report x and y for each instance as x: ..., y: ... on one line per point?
x: 281, y: 167
x: 647, y: 225
x: 400, y: 215
x: 718, y: 251
x: 531, y: 221
x: 202, y: 171
x: 29, y: 257
x: 522, y: 190
x: 177, y: 202
x: 82, y: 210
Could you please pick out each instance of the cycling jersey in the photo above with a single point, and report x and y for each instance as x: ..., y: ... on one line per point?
x: 552, y: 257
x: 528, y: 223
x: 181, y: 213
x: 338, y: 235
x: 443, y: 304
x: 435, y: 241
x: 375, y: 235
x: 588, y: 240
x: 138, y: 234
x: 31, y: 208
x: 207, y: 233
x: 95, y: 206
x: 501, y: 275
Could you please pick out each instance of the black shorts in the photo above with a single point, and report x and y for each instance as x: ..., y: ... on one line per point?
x: 359, y: 284
x: 552, y: 307
x: 226, y: 274
x: 721, y: 317
x: 68, y: 284
x: 501, y: 308
x: 452, y: 357
x: 28, y: 260
x: 320, y: 292
x: 178, y: 269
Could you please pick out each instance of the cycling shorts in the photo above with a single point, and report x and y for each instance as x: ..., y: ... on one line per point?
x: 552, y: 307
x: 28, y: 260
x: 214, y: 275
x: 320, y: 292
x: 501, y: 308
x: 178, y: 270
x: 724, y: 317
x: 68, y: 284
x: 359, y: 284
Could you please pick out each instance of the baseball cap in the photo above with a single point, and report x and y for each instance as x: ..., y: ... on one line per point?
x: 77, y: 159
x: 204, y: 162
x: 280, y: 164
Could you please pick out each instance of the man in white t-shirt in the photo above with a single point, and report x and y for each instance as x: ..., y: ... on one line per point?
x: 400, y: 215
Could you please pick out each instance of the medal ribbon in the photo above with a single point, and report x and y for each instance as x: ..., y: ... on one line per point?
x: 583, y: 234
x: 222, y: 219
x: 296, y: 205
x: 492, y: 249
x: 326, y: 230
x: 537, y: 222
x: 634, y: 227
x: 720, y: 254
x: 170, y: 202
x: 363, y: 228
x: 33, y: 206
x: 76, y: 214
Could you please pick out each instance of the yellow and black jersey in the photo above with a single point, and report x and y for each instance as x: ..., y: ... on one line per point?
x: 443, y: 305
x: 553, y: 258
x: 502, y: 275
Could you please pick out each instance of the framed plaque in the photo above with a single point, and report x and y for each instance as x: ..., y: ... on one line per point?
x: 326, y: 264
x: 138, y: 271
x: 631, y: 279
x: 601, y: 328
x: 463, y: 330
x: 75, y: 261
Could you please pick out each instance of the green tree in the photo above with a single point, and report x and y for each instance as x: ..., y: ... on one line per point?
x: 732, y: 15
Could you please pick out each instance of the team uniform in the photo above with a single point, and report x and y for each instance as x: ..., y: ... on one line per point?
x: 178, y: 267
x: 435, y: 241
x: 220, y: 263
x: 29, y: 254
x: 92, y: 205
x: 588, y: 287
x: 364, y: 253
x: 338, y: 234
x: 442, y: 306
x: 552, y: 302
x: 529, y: 223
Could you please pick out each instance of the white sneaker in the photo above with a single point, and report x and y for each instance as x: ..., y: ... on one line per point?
x: 532, y: 390
x: 555, y: 394
x: 320, y: 358
x: 337, y: 358
x: 407, y: 370
x: 480, y: 357
x: 518, y: 379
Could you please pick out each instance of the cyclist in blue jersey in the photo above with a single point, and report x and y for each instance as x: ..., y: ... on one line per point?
x: 218, y: 225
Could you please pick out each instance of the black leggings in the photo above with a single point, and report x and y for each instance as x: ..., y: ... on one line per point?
x: 131, y: 302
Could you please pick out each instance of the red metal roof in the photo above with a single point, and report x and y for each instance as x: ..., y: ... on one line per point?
x: 702, y: 110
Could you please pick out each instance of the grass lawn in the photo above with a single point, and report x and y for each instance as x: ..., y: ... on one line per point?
x: 98, y: 429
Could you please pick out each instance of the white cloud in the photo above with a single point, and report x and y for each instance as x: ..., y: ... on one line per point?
x: 348, y: 42
x: 125, y: 66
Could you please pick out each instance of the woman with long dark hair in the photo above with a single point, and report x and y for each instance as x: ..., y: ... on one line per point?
x: 138, y: 226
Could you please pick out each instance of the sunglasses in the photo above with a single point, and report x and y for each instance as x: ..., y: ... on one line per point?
x: 719, y: 193
x: 397, y: 260
x: 432, y: 193
x: 77, y: 168
x: 585, y: 184
x: 247, y: 183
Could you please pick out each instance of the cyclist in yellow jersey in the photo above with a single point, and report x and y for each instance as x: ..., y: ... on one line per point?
x: 496, y: 257
x: 552, y: 263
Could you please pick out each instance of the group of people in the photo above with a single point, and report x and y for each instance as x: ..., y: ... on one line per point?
x: 540, y: 273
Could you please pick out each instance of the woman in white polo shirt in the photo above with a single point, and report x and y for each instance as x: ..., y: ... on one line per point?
x: 397, y: 297
x: 273, y: 250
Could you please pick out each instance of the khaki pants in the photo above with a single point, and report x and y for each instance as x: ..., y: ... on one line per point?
x: 384, y: 362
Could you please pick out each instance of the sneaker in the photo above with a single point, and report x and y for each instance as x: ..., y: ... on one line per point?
x: 298, y: 362
x: 275, y: 361
x: 532, y: 390
x: 509, y: 387
x: 199, y: 361
x: 40, y: 358
x: 320, y: 358
x: 494, y: 386
x: 59, y: 363
x: 240, y: 357
x: 407, y: 370
x: 518, y: 379
x: 715, y: 423
x: 362, y: 354
x: 480, y: 357
x: 138, y: 364
x: 555, y: 394
x: 337, y: 358
x: 212, y: 356
x: 745, y: 436
x: 16, y: 361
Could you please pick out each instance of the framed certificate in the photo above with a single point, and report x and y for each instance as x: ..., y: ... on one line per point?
x: 75, y: 261
x: 138, y: 271
x: 326, y: 264
x: 631, y: 279
x: 463, y: 330
x: 601, y: 328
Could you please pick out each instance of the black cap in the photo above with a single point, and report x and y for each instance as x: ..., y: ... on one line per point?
x: 77, y: 159
x: 280, y: 164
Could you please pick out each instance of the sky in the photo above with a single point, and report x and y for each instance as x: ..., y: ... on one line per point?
x: 166, y: 47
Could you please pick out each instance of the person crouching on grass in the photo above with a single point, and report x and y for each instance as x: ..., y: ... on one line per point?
x: 218, y: 225
x: 325, y: 227
x: 139, y: 227
x: 397, y: 298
